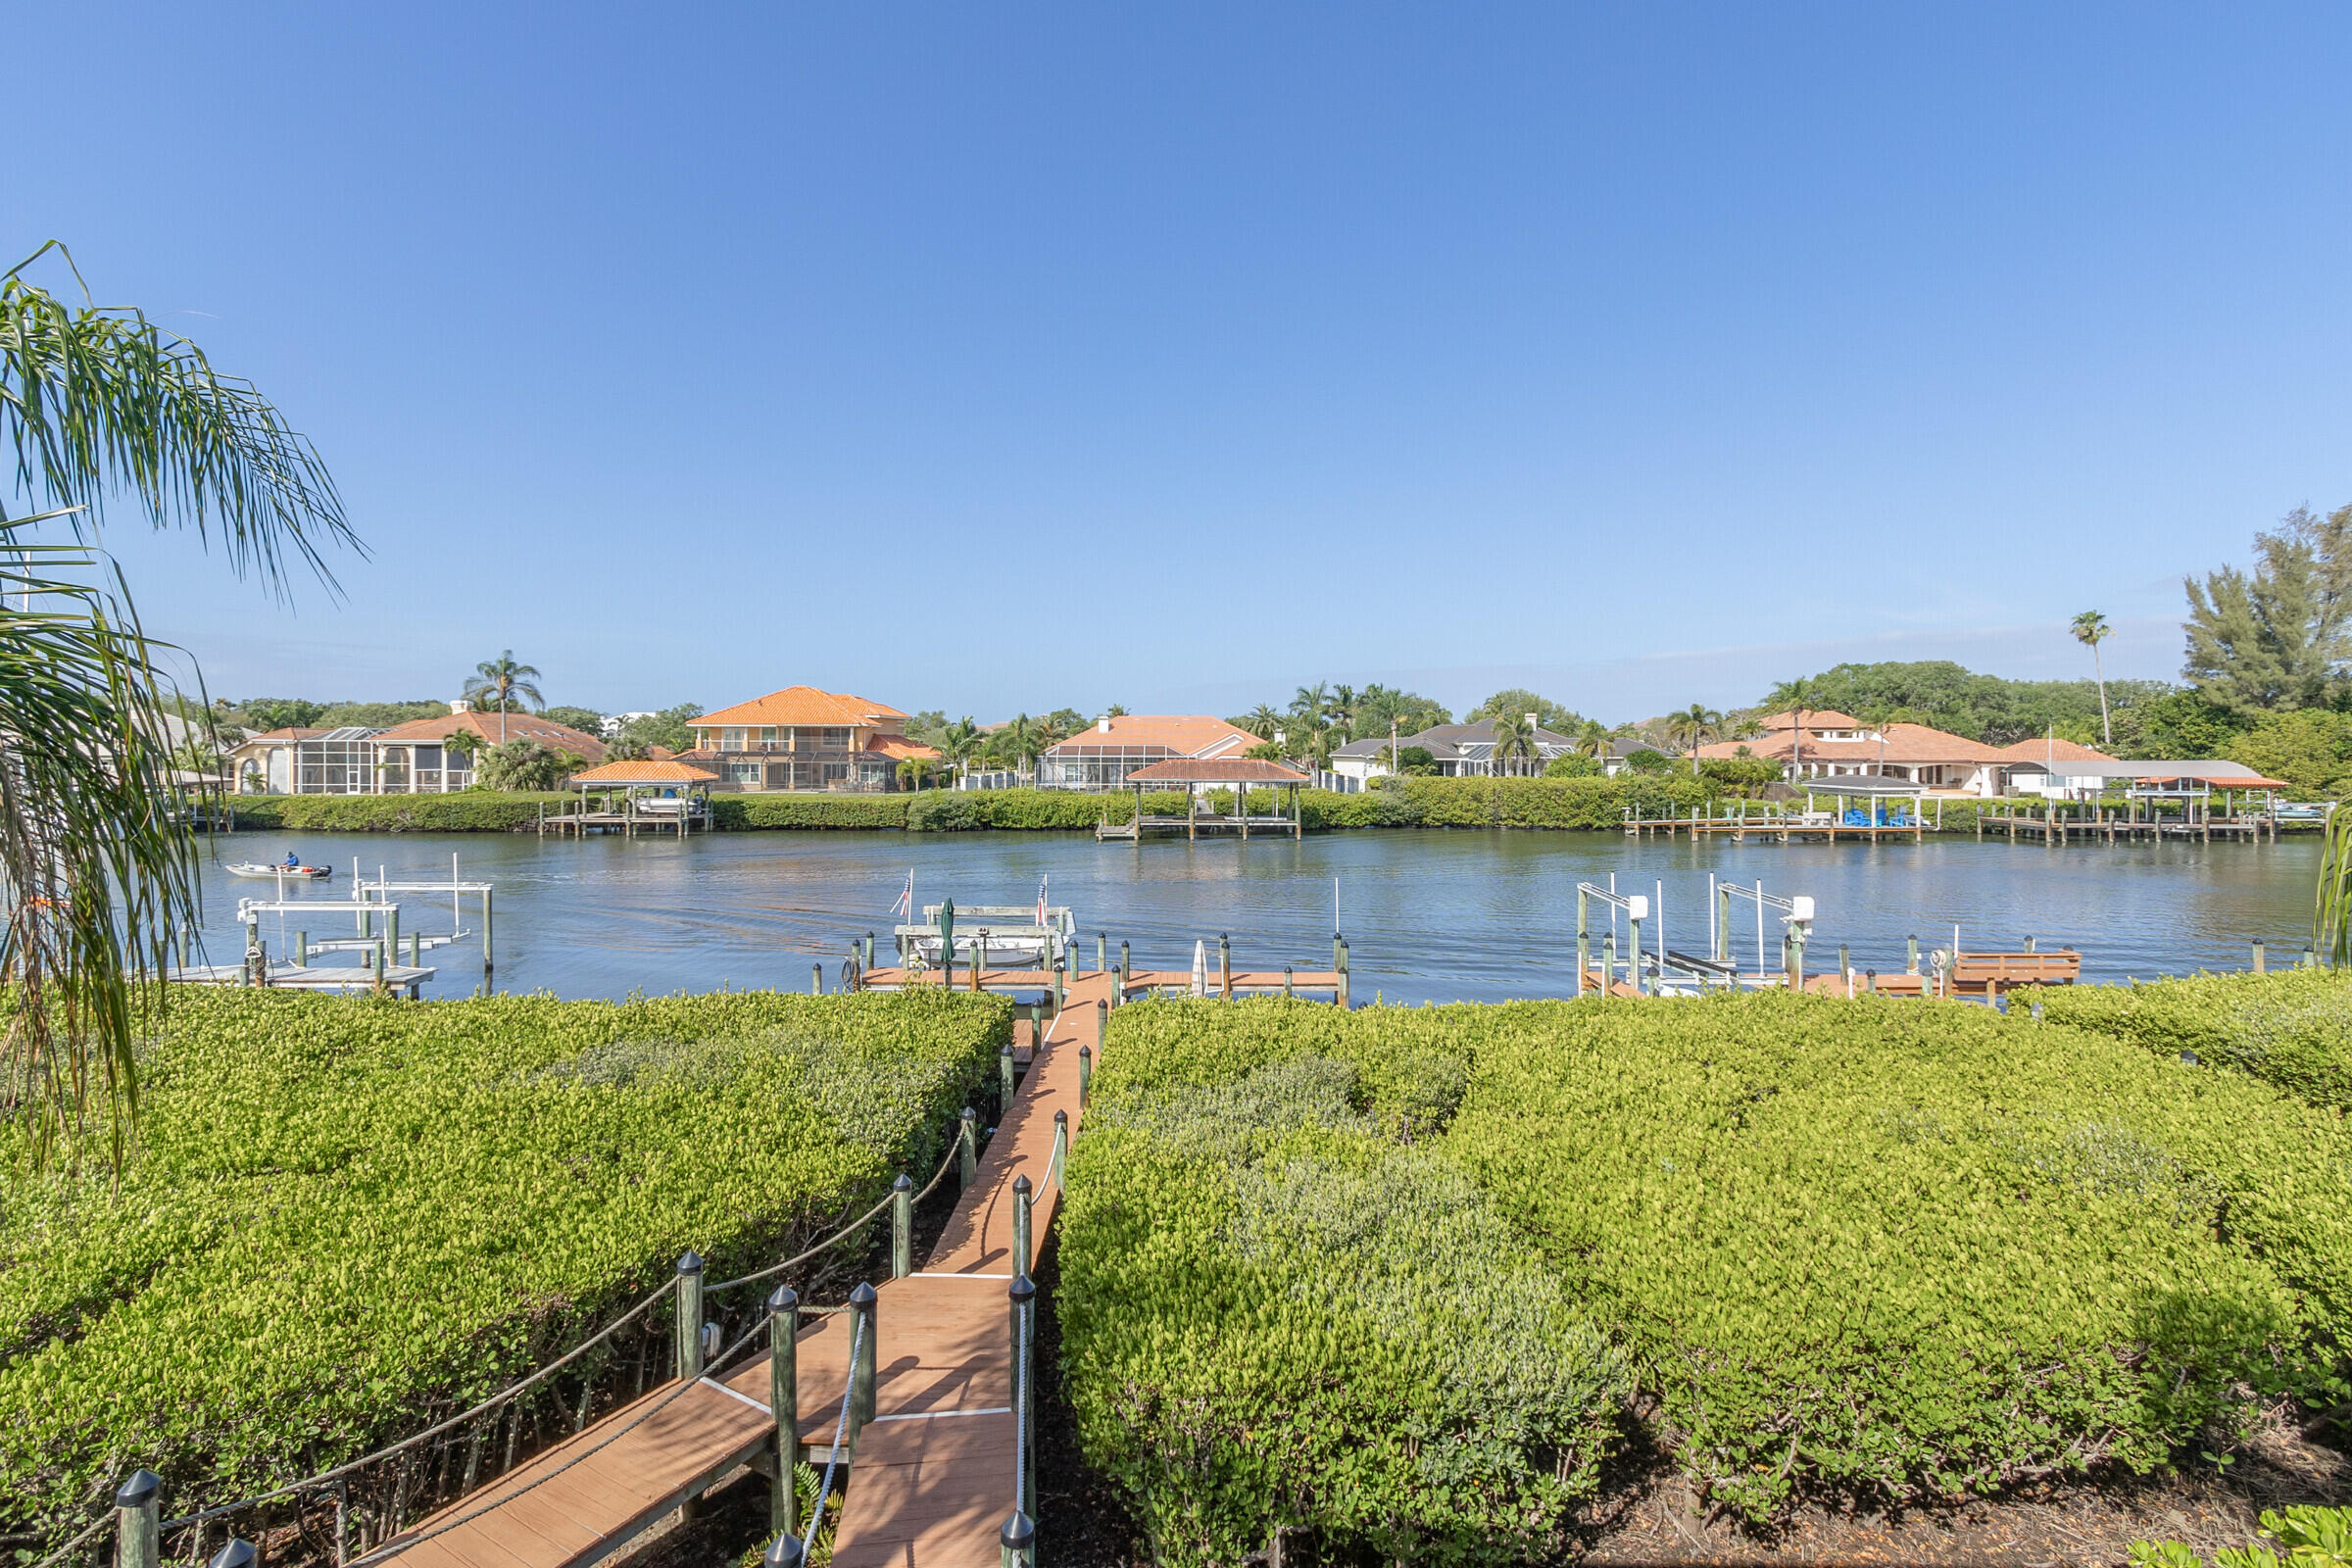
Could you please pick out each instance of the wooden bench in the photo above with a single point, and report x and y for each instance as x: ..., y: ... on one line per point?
x: 1989, y: 974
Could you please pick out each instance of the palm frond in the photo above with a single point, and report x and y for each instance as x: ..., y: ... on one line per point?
x: 2332, y: 917
x: 96, y: 869
x: 100, y: 401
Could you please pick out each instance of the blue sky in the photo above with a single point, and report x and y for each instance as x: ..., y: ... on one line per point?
x: 996, y: 358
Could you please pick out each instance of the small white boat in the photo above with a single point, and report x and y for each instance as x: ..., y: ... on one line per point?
x: 306, y: 873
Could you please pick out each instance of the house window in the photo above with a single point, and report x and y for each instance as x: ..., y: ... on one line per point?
x: 744, y: 775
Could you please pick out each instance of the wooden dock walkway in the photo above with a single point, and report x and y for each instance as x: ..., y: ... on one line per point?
x: 932, y: 1475
x: 1139, y: 982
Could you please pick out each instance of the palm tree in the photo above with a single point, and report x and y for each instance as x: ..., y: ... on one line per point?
x: 502, y: 681
x: 100, y: 403
x: 1308, y: 704
x: 915, y: 771
x: 2090, y: 630
x: 962, y: 741
x: 1514, y: 741
x: 1800, y: 694
x: 1591, y: 740
x: 1694, y: 728
x: 1261, y: 722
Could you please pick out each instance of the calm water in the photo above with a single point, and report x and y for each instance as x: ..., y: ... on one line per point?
x: 1429, y: 915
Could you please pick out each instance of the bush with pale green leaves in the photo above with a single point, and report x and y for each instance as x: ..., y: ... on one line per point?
x: 344, y: 1219
x: 2292, y: 1029
x: 1877, y: 1250
x: 2312, y: 1538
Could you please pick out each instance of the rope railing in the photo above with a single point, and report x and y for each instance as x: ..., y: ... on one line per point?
x: 337, y: 1478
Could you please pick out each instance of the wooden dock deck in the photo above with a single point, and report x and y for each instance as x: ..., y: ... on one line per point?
x: 400, y: 977
x: 1139, y: 983
x: 932, y: 1476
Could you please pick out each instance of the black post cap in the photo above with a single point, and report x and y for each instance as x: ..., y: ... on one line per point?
x: 1022, y: 1290
x: 138, y: 1491
x: 784, y: 1298
x: 1061, y: 1118
x: 863, y: 1297
x: 236, y: 1555
x: 690, y: 1261
x: 2188, y: 1058
x: 904, y: 1183
x: 1020, y: 1184
x: 1087, y: 1052
x: 1018, y: 1532
x: 784, y: 1552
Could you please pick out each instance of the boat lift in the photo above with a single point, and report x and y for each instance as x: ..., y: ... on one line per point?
x: 1636, y: 909
x: 1799, y: 919
x: 372, y: 895
x: 988, y: 931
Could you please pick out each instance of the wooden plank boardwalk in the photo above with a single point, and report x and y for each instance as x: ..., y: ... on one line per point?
x: 1140, y: 982
x: 932, y: 1476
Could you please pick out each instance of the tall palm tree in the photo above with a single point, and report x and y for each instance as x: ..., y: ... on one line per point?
x: 1261, y: 722
x: 962, y: 741
x: 98, y: 404
x: 1310, y: 705
x: 1514, y: 742
x: 502, y: 681
x: 1694, y: 728
x: 2090, y: 630
x: 1591, y: 740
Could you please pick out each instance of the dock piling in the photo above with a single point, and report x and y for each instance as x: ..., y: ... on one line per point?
x: 2258, y: 957
x: 968, y: 1146
x: 1086, y: 1075
x: 1911, y: 962
x: 686, y: 1323
x: 862, y: 1374
x: 1344, y: 1003
x: 816, y: 979
x: 1023, y: 1196
x: 1006, y: 1082
x: 138, y: 1524
x: 1225, y: 965
x: 784, y: 1399
x: 901, y: 1227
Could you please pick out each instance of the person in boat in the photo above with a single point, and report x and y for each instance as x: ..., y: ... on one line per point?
x: 293, y: 862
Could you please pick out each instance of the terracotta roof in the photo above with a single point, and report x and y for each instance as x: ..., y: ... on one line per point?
x: 1904, y: 743
x: 899, y: 746
x: 1452, y: 742
x: 1814, y: 719
x: 1184, y: 734
x: 1216, y: 771
x: 289, y: 734
x: 644, y: 773
x: 2050, y: 750
x: 519, y: 727
x: 800, y: 704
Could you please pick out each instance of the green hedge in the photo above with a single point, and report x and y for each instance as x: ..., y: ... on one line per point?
x: 347, y: 1218
x: 1275, y: 1312
x: 2292, y: 1029
x: 1884, y: 1251
x: 741, y: 812
x: 465, y: 811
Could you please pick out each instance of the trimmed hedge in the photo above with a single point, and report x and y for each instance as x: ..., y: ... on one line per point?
x: 465, y: 811
x: 346, y: 1218
x: 755, y: 812
x: 1873, y: 1248
x: 2292, y: 1029
x: 1274, y: 1312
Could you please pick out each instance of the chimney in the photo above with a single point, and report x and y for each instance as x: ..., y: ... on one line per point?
x: 460, y: 705
x: 1531, y: 723
x: 1102, y: 724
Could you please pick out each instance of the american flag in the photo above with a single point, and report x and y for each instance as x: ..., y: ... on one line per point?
x: 905, y: 905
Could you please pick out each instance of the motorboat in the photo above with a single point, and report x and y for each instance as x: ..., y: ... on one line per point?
x: 267, y: 871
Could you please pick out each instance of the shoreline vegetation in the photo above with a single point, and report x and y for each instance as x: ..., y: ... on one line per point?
x: 1555, y: 805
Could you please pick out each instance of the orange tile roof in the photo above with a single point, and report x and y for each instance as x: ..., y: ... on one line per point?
x: 1904, y: 743
x: 2048, y: 749
x: 1216, y: 771
x: 899, y: 746
x: 282, y: 734
x: 644, y: 773
x: 1184, y: 734
x: 800, y: 704
x: 1814, y: 719
x: 485, y: 724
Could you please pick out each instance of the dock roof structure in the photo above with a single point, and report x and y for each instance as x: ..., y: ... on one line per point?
x: 644, y: 770
x: 1216, y: 771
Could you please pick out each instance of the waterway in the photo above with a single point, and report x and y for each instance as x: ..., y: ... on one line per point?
x: 1429, y: 915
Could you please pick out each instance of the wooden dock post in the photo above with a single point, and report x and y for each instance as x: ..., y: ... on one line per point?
x: 485, y: 928
x: 301, y: 950
x: 1006, y: 1081
x: 1288, y: 988
x: 1583, y: 943
x: 1086, y: 1075
x: 1102, y: 1017
x: 1061, y: 992
x: 1023, y: 1296
x: 816, y: 979
x: 1608, y: 958
x: 1101, y: 951
x: 1192, y: 815
x: 1024, y: 1195
x: 1845, y: 967
x: 968, y: 1146
x: 979, y: 960
x: 686, y: 1321
x: 1343, y: 1001
x: 1911, y: 960
x: 1225, y: 964
x: 138, y: 1525
x: 2258, y: 957
x: 901, y: 1227
x: 862, y: 1374
x: 1124, y: 972
x: 784, y: 1399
